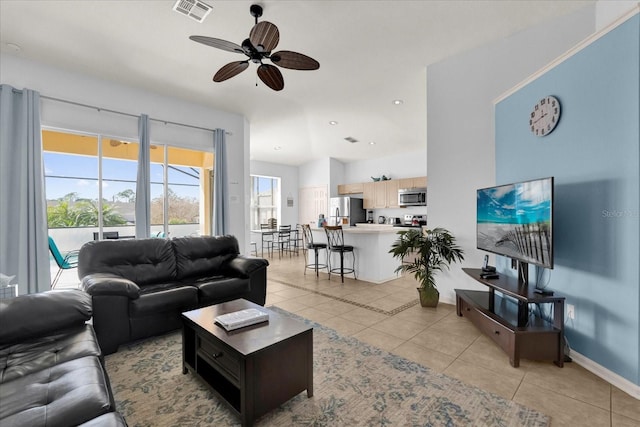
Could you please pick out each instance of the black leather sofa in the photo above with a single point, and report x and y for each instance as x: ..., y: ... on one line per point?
x: 140, y: 287
x: 51, y: 367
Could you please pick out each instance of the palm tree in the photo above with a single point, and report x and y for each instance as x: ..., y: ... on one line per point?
x: 424, y: 253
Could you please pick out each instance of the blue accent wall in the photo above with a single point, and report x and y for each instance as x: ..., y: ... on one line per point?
x: 594, y: 156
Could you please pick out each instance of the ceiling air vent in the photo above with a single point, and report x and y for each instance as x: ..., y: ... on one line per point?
x: 194, y: 9
x: 351, y: 139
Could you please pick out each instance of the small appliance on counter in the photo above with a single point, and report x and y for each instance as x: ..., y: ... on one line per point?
x: 393, y: 220
x: 382, y: 219
x: 370, y: 217
x: 411, y: 220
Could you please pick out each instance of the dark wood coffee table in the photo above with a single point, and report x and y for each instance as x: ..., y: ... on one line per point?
x: 253, y: 369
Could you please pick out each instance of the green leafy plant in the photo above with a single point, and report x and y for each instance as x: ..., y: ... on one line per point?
x: 424, y: 253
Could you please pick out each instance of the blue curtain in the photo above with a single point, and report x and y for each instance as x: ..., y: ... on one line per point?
x: 24, y: 246
x: 143, y: 182
x: 220, y: 185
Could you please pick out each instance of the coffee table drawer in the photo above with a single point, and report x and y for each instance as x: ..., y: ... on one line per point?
x: 220, y: 357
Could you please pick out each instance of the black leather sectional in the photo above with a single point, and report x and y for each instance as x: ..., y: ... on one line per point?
x: 51, y: 367
x: 140, y: 287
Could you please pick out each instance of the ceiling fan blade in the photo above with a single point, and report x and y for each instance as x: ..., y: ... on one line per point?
x: 294, y: 60
x: 271, y: 76
x: 230, y: 70
x: 218, y: 43
x: 264, y: 34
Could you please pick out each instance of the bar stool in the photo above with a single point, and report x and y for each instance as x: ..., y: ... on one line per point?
x: 335, y: 238
x: 308, y: 244
x: 255, y: 248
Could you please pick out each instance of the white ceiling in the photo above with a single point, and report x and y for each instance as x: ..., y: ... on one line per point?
x: 370, y: 53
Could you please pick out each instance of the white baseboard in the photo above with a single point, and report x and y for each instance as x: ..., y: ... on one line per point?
x: 623, y: 384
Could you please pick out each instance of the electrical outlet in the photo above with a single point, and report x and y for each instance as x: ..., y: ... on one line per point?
x: 571, y: 311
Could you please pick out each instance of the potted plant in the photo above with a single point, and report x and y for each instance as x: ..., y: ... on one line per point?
x: 424, y: 253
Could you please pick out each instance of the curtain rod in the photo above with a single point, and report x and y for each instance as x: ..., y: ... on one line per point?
x: 126, y: 114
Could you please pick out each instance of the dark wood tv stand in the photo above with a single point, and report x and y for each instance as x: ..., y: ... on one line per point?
x: 506, y: 318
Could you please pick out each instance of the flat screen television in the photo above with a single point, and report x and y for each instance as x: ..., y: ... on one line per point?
x: 516, y: 221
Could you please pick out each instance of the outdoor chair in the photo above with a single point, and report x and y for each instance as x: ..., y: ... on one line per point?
x: 65, y: 262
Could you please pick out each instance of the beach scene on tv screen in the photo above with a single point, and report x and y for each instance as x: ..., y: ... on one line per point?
x: 515, y: 220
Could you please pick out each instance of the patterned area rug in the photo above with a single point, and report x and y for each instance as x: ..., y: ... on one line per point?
x: 354, y: 385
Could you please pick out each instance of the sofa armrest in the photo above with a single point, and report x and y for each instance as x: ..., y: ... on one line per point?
x: 103, y: 284
x: 256, y: 270
x: 242, y: 266
x: 34, y: 315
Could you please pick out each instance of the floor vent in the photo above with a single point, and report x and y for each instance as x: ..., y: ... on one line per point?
x: 194, y: 9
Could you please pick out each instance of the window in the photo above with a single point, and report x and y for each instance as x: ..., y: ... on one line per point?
x: 265, y: 200
x: 90, y: 184
x: 181, y: 194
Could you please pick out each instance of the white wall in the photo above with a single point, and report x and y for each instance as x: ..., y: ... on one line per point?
x: 289, y: 182
x: 406, y: 164
x: 336, y: 176
x: 460, y: 125
x: 58, y: 83
x: 315, y: 173
x: 608, y: 11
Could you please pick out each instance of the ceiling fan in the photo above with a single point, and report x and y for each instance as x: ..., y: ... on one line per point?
x: 263, y: 38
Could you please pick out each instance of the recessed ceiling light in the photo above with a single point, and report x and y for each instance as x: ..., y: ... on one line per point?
x: 333, y: 123
x: 398, y: 102
x: 372, y: 143
x: 277, y: 148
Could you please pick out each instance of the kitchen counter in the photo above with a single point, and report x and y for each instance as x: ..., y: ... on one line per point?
x: 364, y: 228
x: 372, y: 243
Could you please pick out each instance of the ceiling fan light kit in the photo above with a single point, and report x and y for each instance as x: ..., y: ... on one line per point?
x: 263, y: 38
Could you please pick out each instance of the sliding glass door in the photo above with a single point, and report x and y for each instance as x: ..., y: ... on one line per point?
x: 90, y: 184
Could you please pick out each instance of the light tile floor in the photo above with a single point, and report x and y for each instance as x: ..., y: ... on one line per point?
x: 441, y: 340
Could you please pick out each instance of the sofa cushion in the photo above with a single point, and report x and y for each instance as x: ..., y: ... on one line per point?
x: 203, y: 256
x: 55, y: 310
x: 67, y: 394
x: 143, y: 261
x: 24, y: 358
x: 163, y: 298
x: 221, y: 288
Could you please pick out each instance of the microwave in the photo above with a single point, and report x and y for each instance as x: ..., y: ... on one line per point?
x: 412, y: 197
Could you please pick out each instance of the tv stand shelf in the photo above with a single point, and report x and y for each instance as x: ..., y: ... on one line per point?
x: 507, y: 320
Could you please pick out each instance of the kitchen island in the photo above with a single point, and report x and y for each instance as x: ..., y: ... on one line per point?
x: 372, y: 243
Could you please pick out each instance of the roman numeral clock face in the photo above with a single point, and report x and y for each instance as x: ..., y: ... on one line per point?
x: 544, y: 116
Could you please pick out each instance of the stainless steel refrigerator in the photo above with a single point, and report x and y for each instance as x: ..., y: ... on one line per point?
x: 346, y: 210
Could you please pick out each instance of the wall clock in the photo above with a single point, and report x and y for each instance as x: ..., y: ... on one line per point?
x: 544, y: 116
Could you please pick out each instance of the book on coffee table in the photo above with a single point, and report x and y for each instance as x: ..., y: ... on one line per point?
x: 242, y: 318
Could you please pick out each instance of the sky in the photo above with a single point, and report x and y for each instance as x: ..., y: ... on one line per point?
x: 84, y: 171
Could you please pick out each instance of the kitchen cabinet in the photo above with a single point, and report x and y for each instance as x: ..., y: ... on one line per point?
x: 382, y: 194
x: 355, y: 188
x: 392, y: 187
x: 368, y: 193
x: 418, y: 182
